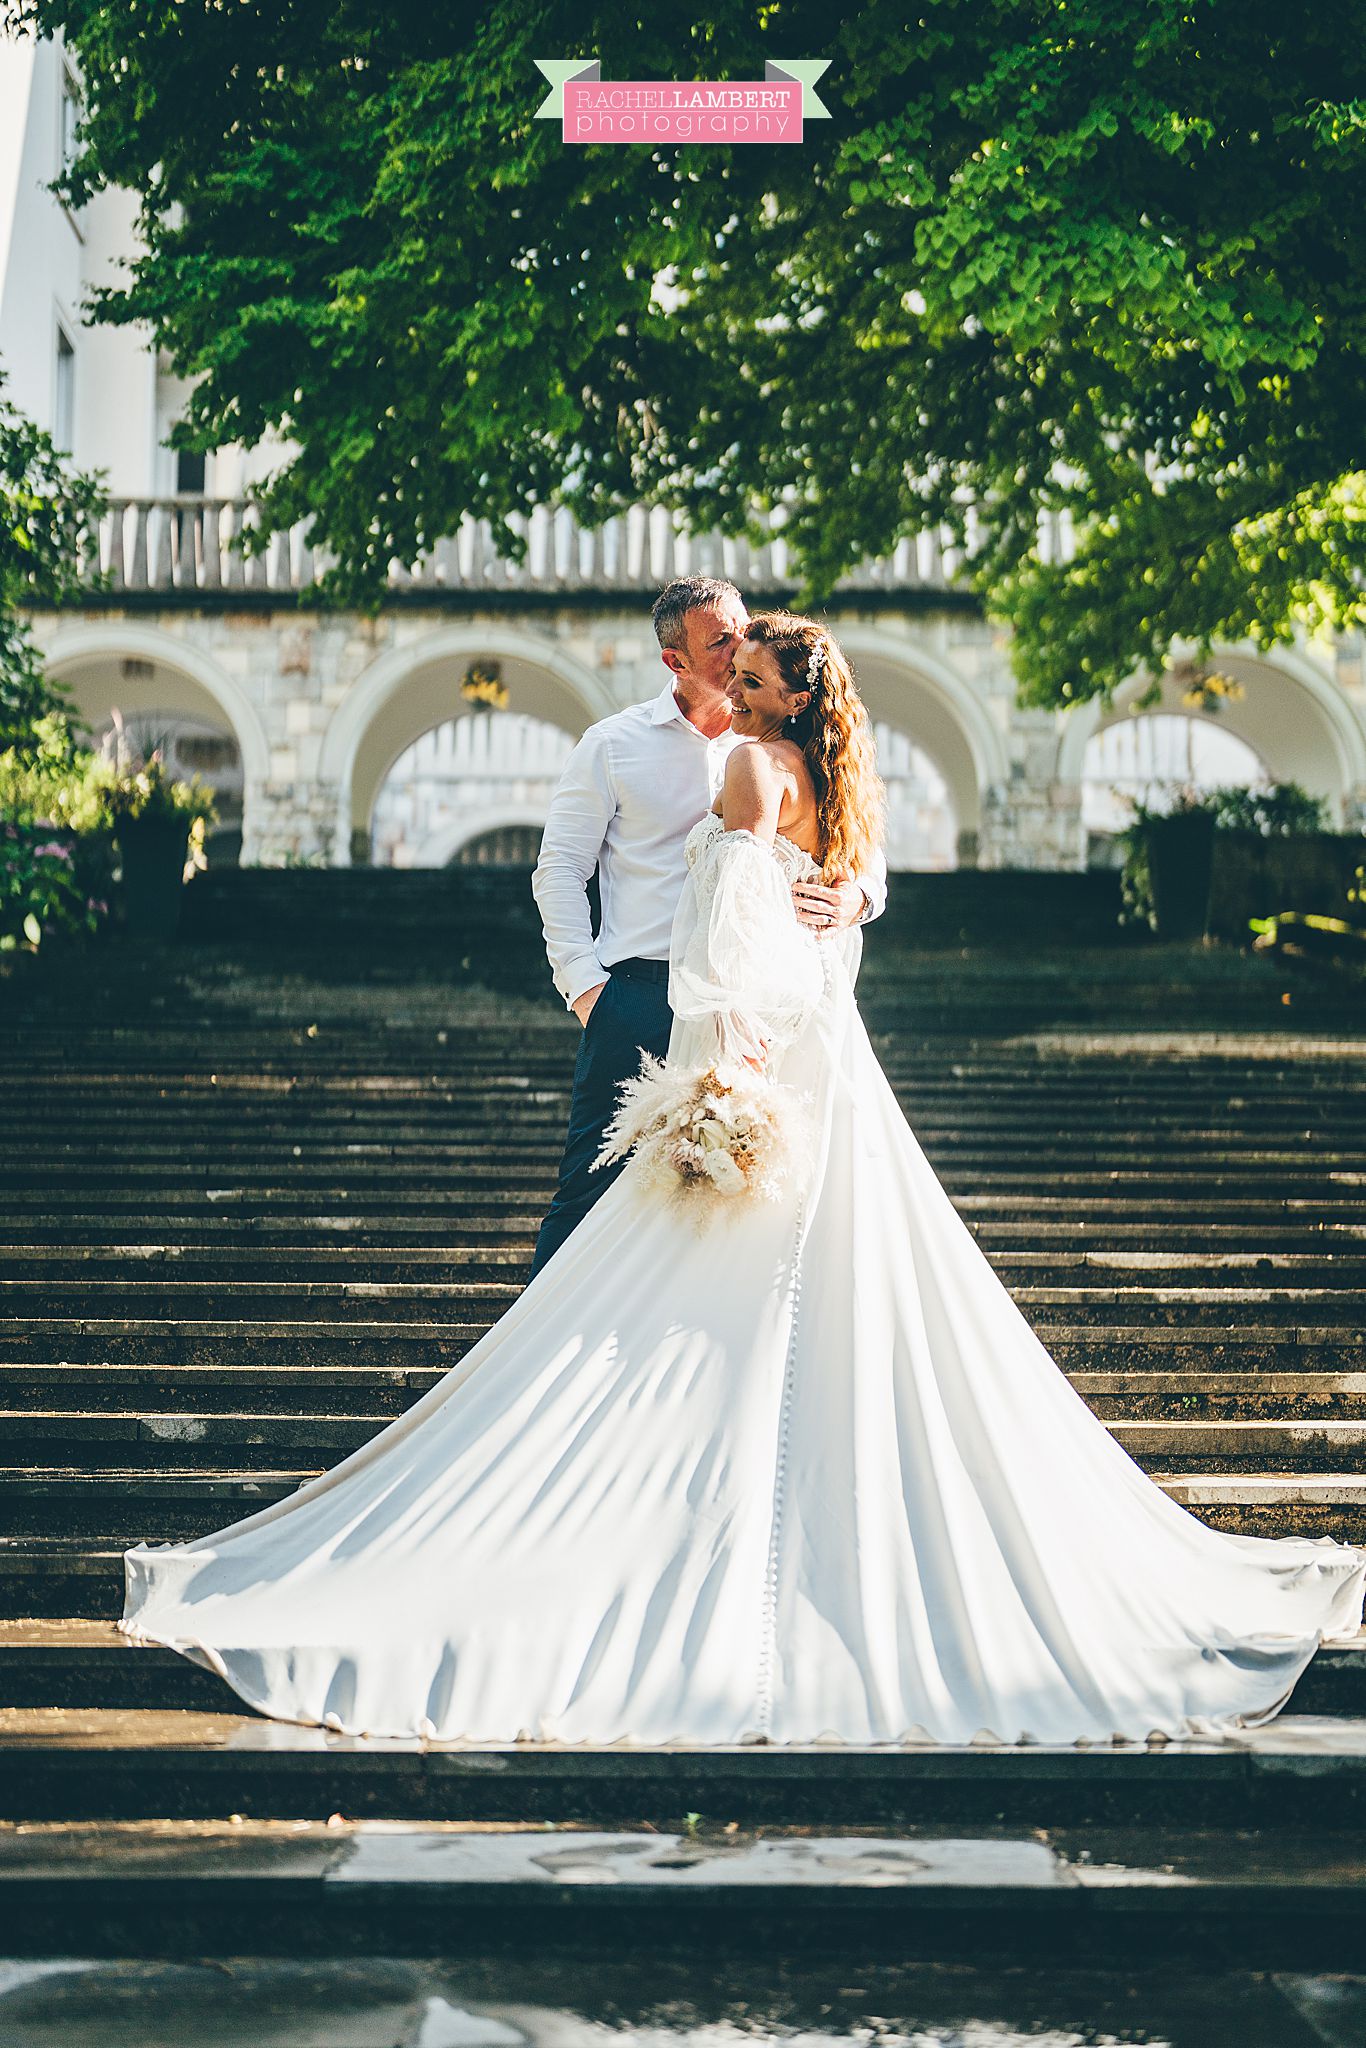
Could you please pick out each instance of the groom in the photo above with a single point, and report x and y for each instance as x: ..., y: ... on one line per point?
x: 633, y: 788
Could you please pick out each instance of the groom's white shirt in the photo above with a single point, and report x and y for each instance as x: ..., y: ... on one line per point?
x: 631, y: 791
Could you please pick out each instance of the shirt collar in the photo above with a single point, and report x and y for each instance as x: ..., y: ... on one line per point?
x: 666, y: 706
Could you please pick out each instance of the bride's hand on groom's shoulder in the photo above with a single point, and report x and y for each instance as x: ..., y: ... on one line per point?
x: 826, y: 907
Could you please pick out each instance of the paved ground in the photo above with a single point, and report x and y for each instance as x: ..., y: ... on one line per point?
x: 381, y: 2003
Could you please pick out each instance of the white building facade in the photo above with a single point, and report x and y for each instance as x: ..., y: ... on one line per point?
x: 336, y: 738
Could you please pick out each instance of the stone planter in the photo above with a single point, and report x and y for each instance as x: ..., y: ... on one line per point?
x: 1180, y: 863
x: 152, y: 852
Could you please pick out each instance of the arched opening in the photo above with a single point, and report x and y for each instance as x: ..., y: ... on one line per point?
x: 959, y: 753
x: 1290, y: 719
x: 1146, y: 759
x: 476, y: 791
x: 171, y: 698
x: 414, y: 690
x: 487, y: 776
x: 922, y: 827
x: 502, y: 846
x: 189, y: 746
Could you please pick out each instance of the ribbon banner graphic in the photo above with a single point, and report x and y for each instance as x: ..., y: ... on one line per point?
x: 703, y: 110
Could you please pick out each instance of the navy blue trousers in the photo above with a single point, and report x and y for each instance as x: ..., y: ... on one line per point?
x: 629, y: 1017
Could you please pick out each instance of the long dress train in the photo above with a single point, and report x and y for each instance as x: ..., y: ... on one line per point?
x: 788, y: 1471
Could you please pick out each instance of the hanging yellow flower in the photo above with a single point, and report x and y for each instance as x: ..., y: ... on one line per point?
x: 1208, y: 691
x: 484, y: 684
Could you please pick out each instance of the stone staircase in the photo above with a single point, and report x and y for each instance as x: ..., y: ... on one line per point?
x: 259, y: 1192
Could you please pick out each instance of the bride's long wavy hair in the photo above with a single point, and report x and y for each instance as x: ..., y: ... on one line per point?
x: 835, y: 734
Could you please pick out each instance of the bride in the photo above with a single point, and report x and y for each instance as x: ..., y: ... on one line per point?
x: 781, y: 1467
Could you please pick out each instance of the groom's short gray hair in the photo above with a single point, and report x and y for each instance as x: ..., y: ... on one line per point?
x: 688, y: 594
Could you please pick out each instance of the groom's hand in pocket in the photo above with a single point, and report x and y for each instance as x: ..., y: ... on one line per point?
x: 582, y: 1006
x: 829, y: 907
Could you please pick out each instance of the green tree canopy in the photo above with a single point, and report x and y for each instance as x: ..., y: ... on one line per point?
x: 46, y: 509
x: 1097, y: 257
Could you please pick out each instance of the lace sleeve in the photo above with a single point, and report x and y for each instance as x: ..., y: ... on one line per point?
x: 739, y: 954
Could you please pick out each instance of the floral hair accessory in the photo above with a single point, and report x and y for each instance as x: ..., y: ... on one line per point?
x: 814, y: 664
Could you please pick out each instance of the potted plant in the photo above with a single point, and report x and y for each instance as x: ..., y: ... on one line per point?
x: 1168, y: 861
x: 159, y: 828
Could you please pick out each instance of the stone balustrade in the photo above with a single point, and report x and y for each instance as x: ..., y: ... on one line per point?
x: 194, y: 543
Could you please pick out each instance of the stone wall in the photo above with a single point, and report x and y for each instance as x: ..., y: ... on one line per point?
x: 322, y: 703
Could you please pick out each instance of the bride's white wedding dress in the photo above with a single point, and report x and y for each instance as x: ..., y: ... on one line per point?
x: 798, y: 1470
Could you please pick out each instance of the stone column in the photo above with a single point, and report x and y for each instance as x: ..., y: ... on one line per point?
x: 291, y: 824
x: 1023, y: 827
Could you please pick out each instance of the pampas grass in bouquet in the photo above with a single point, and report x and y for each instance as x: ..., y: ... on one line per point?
x: 723, y: 1130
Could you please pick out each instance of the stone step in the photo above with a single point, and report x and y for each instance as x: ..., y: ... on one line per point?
x: 112, y: 1438
x: 1015, y: 1100
x: 115, y: 1438
x: 357, y: 1018
x: 466, y: 1210
x: 1118, y: 1396
x: 248, y: 1260
x: 50, y: 1240
x: 343, y: 1055
x: 341, y: 1084
x: 553, y: 1902
x: 1198, y: 1302
x: 1341, y: 1212
x: 1191, y: 1308
x: 399, y: 1187
x: 216, y: 1231
x: 1025, y: 1090
x: 145, y: 1292
x: 81, y: 1764
x: 255, y: 1303
x: 1110, y: 1240
x: 265, y: 1176
x: 60, y: 1270
x: 214, y: 1390
x: 1075, y: 1346
x: 345, y: 1390
x: 1082, y: 1161
x: 63, y: 1575
x: 76, y: 1662
x: 131, y: 1341
x: 164, y: 1500
x: 246, y: 1276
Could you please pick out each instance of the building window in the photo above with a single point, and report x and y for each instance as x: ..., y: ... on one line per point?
x: 70, y: 118
x: 189, y: 474
x: 64, y: 397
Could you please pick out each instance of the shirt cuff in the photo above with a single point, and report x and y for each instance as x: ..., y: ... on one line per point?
x: 583, y: 973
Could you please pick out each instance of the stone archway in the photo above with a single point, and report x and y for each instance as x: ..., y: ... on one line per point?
x: 415, y: 686
x: 1292, y: 716
x: 440, y: 850
x: 922, y: 826
x: 143, y: 671
x: 910, y: 688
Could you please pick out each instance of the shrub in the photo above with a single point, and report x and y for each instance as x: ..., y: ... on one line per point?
x: 1274, y: 810
x: 56, y: 852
